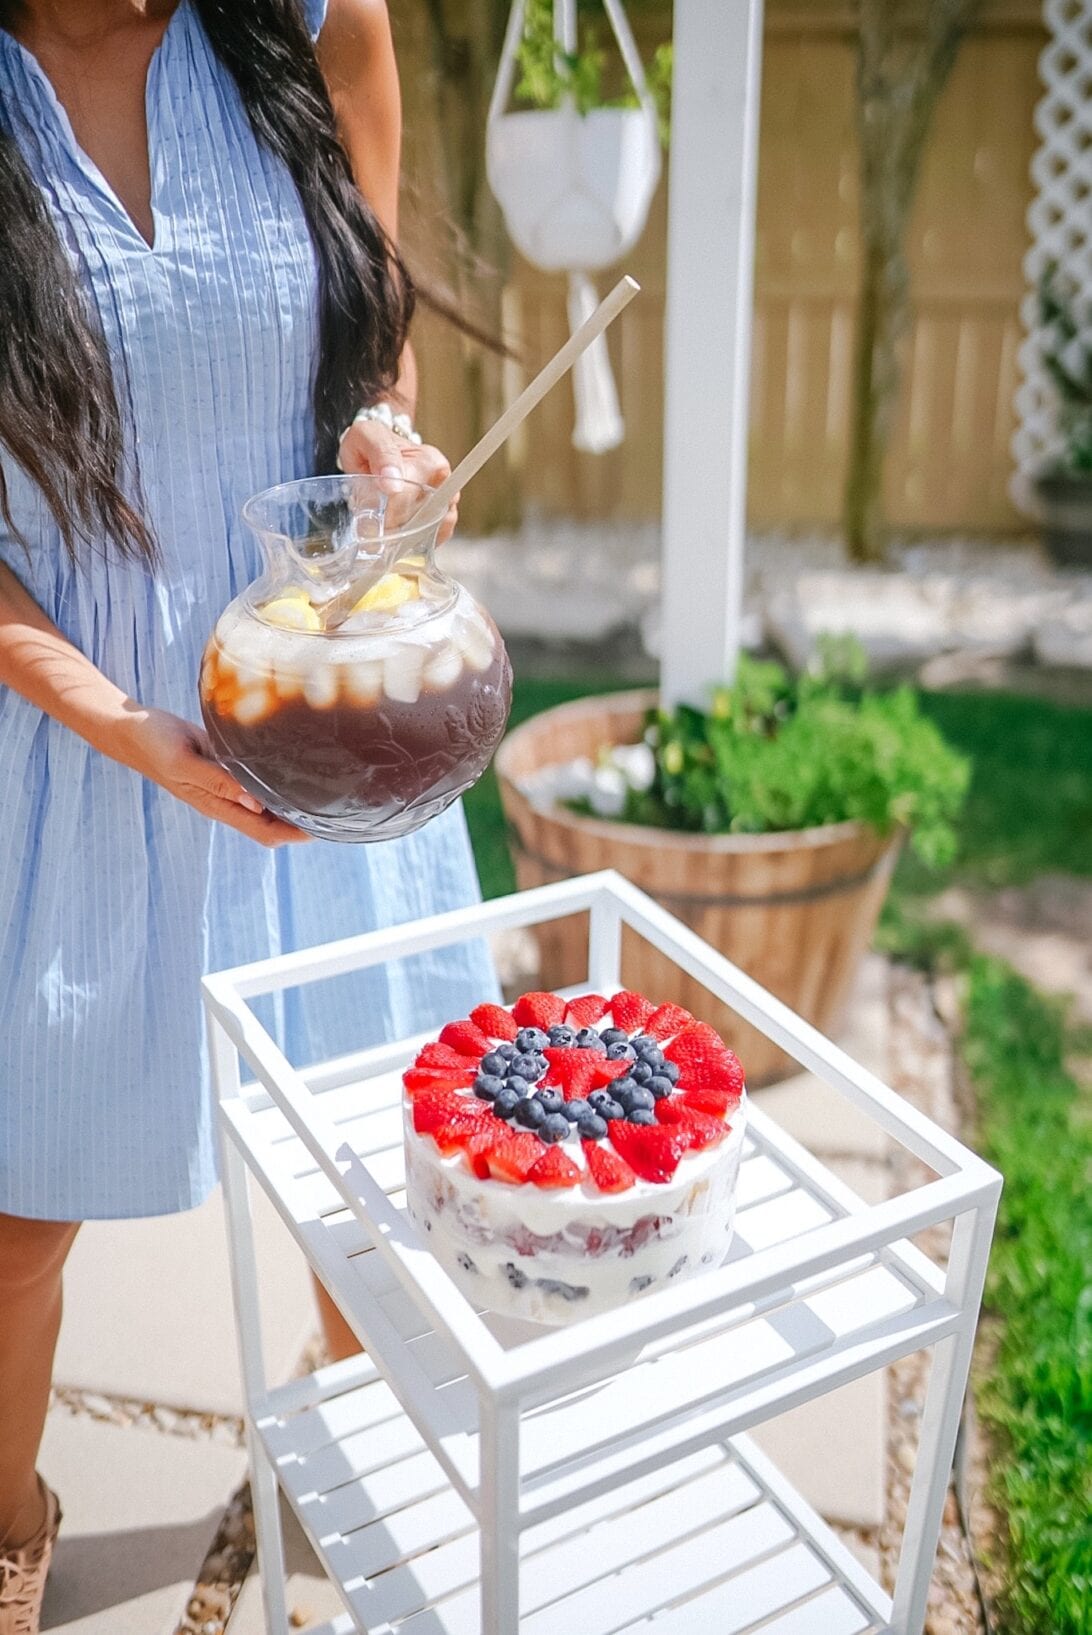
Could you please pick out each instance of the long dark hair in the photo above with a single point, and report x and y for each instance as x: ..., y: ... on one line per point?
x: 59, y: 414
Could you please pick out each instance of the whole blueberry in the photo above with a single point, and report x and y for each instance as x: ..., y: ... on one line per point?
x: 554, y: 1127
x: 592, y: 1128
x: 598, y: 1097
x: 507, y: 1050
x: 530, y: 1113
x: 669, y: 1071
x: 589, y: 1039
x: 641, y: 1115
x: 643, y: 1042
x: 531, y: 1039
x: 576, y: 1110
x: 524, y: 1066
x: 660, y: 1085
x: 488, y: 1086
x: 621, y: 1087
x: 640, y: 1072
x: 552, y: 1100
x: 614, y: 1036
x: 620, y: 1051
x: 611, y: 1109
x: 495, y: 1063
x: 519, y: 1087
x: 564, y: 1038
x: 506, y: 1102
x: 640, y: 1098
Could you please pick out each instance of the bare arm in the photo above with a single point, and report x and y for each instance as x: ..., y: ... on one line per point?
x: 38, y: 662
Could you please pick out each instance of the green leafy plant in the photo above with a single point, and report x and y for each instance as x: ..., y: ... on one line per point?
x: 774, y: 753
x: 1066, y: 347
x: 550, y: 77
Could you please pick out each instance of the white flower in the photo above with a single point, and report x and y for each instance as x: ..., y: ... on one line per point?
x: 638, y: 765
x: 607, y: 795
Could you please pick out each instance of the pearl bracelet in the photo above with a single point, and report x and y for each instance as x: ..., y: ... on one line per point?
x: 400, y: 424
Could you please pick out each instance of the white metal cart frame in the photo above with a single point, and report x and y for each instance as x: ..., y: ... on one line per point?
x: 425, y: 1470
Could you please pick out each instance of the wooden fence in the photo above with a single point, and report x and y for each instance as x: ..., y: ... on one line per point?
x: 950, y: 462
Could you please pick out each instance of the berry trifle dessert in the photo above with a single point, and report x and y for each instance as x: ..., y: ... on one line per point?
x: 565, y: 1157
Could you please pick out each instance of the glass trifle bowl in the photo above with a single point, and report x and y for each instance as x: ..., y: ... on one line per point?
x: 365, y: 730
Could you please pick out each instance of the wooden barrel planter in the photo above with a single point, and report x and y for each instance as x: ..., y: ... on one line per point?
x: 796, y: 911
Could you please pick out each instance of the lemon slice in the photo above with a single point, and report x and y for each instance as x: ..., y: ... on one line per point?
x: 391, y: 591
x: 292, y: 612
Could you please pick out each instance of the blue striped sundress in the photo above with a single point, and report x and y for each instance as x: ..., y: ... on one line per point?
x: 114, y: 896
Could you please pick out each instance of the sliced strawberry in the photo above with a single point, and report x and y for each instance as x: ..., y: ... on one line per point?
x: 717, y: 1103
x: 667, y: 1021
x: 701, y: 1130
x: 573, y: 1072
x: 609, y: 1172
x: 508, y: 1155
x: 586, y: 1011
x: 538, y: 1010
x: 435, y: 1108
x: 554, y: 1169
x: 438, y: 1055
x: 604, y: 1071
x: 466, y: 1037
x: 495, y: 1021
x: 699, y: 1048
x: 630, y: 1010
x: 652, y: 1151
x: 420, y: 1079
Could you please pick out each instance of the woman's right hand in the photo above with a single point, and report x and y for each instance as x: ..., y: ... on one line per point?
x: 176, y: 755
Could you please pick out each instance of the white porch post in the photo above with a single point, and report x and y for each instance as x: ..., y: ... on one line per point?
x: 710, y: 259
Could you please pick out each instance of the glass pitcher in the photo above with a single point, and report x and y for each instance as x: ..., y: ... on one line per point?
x: 364, y: 731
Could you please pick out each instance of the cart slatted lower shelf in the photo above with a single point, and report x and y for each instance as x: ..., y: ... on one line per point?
x: 705, y: 1544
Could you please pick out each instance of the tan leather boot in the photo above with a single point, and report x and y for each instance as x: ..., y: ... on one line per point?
x: 23, y: 1572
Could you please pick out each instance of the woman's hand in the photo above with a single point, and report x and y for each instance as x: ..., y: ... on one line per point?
x: 371, y: 447
x: 176, y: 755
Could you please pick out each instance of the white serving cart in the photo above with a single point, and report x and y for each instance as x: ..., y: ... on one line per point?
x: 594, y: 1479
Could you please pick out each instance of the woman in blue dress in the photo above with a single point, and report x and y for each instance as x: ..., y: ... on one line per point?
x: 198, y: 291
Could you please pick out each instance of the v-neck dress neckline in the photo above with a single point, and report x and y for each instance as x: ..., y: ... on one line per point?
x: 157, y: 155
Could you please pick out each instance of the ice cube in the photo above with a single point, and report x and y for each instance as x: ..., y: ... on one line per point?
x: 444, y: 668
x: 474, y: 640
x: 252, y: 706
x: 320, y: 687
x: 363, y: 680
x: 402, y: 674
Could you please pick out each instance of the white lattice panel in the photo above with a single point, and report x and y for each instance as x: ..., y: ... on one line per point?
x: 1060, y: 218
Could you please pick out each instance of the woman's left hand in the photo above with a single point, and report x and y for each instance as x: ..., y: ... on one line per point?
x: 371, y: 447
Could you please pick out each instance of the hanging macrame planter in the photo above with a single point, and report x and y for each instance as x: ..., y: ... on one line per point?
x: 575, y: 190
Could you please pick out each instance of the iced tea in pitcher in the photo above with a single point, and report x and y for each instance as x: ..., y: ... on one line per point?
x: 364, y: 730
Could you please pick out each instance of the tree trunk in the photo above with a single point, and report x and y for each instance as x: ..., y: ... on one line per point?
x: 901, y: 72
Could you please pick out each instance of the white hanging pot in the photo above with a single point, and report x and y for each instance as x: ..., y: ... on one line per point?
x: 575, y: 190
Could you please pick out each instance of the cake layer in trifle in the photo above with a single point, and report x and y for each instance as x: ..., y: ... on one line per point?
x: 564, y: 1158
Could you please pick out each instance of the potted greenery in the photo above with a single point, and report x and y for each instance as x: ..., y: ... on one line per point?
x: 1064, y: 485
x: 573, y: 161
x: 770, y: 822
